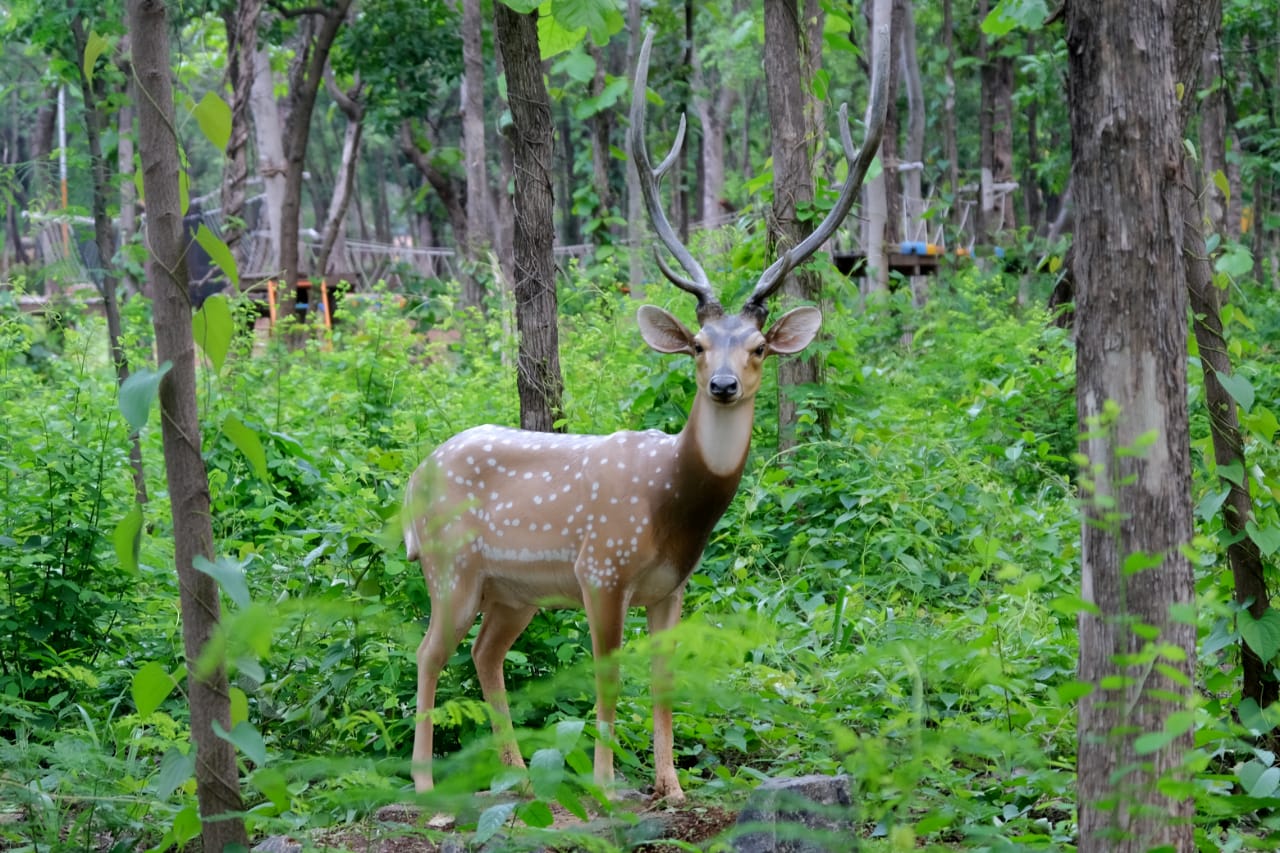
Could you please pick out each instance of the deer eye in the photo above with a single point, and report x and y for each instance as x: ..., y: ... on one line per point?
x: 760, y: 351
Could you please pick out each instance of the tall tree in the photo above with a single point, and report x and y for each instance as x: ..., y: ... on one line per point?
x: 789, y: 29
x: 1137, y: 637
x: 217, y: 777
x: 318, y: 27
x: 94, y: 98
x: 241, y: 21
x: 995, y: 207
x: 479, y: 203
x: 538, y: 378
x: 1197, y: 23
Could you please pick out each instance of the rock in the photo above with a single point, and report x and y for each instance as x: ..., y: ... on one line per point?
x: 278, y: 844
x: 809, y: 814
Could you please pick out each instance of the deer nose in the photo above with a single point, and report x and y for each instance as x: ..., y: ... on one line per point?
x: 723, y: 388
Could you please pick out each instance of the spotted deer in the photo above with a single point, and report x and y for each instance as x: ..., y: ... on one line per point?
x: 506, y: 521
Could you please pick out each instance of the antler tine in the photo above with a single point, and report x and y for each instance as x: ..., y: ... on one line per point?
x: 877, y: 108
x: 696, y: 283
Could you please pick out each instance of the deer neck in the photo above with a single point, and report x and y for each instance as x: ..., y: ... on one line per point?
x: 716, y: 438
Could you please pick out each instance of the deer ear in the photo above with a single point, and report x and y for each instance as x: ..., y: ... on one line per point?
x: 662, y: 331
x: 793, y: 331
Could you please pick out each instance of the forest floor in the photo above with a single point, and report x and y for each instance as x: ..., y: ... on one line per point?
x: 402, y: 829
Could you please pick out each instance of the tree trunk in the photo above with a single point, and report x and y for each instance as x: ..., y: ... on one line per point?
x: 1131, y: 348
x: 995, y: 205
x: 105, y: 241
x: 479, y: 214
x: 787, y: 74
x: 242, y: 43
x: 125, y: 136
x: 269, y: 139
x: 1198, y: 23
x: 451, y: 195
x: 335, y: 217
x: 217, y: 778
x: 305, y: 77
x: 637, y: 233
x: 949, y: 114
x: 538, y: 378
x: 875, y: 203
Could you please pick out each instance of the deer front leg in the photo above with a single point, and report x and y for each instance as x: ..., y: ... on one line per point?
x: 606, y: 612
x: 500, y: 628
x: 662, y: 616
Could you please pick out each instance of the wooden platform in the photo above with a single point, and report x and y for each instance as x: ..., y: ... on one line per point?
x: 854, y: 264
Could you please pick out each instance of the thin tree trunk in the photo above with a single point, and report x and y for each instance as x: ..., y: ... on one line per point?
x: 875, y: 204
x: 538, y: 377
x: 104, y: 240
x: 637, y: 233
x: 304, y: 84
x: 479, y: 214
x: 949, y: 112
x: 787, y: 73
x: 335, y: 217
x: 1197, y: 23
x: 269, y: 139
x: 1131, y: 304
x: 242, y: 43
x: 217, y: 777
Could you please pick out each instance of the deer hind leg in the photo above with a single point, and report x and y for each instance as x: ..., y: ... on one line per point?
x: 499, y: 629
x: 454, y: 605
x: 662, y: 616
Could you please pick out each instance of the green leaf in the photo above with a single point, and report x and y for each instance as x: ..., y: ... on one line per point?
x: 1261, y: 423
x: 536, y: 813
x: 138, y: 392
x: 239, y: 706
x: 600, y: 17
x: 151, y: 685
x: 1235, y: 261
x: 248, y: 443
x: 491, y: 820
x: 1262, y: 635
x: 546, y: 769
x: 1240, y: 389
x: 1267, y: 538
x: 245, y: 738
x: 175, y: 769
x: 554, y: 39
x: 212, y: 328
x: 219, y: 253
x: 94, y: 48
x: 1010, y: 14
x: 273, y: 785
x: 230, y: 576
x: 1224, y: 186
x: 214, y: 117
x: 567, y: 734
x: 127, y: 538
x: 1254, y: 718
x: 1140, y: 561
x: 1257, y: 779
x: 186, y: 824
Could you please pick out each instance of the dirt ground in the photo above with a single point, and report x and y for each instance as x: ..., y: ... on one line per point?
x: 401, y: 829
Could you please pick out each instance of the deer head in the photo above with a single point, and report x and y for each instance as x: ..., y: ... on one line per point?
x: 506, y: 521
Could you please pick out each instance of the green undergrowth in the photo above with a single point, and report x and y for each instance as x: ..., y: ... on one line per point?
x: 893, y: 598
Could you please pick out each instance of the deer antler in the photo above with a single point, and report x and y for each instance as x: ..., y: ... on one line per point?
x: 697, y: 283
x: 877, y: 107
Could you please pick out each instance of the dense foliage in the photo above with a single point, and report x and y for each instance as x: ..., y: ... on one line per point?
x: 896, y: 599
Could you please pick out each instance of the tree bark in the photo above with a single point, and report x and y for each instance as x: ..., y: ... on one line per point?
x: 949, y: 112
x: 217, y: 778
x: 1131, y: 349
x: 1197, y: 23
x: 242, y: 43
x: 538, y: 378
x: 478, y: 204
x: 637, y: 233
x: 305, y: 77
x: 105, y: 241
x: 995, y: 208
x: 269, y: 139
x: 787, y: 74
x: 333, y: 233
